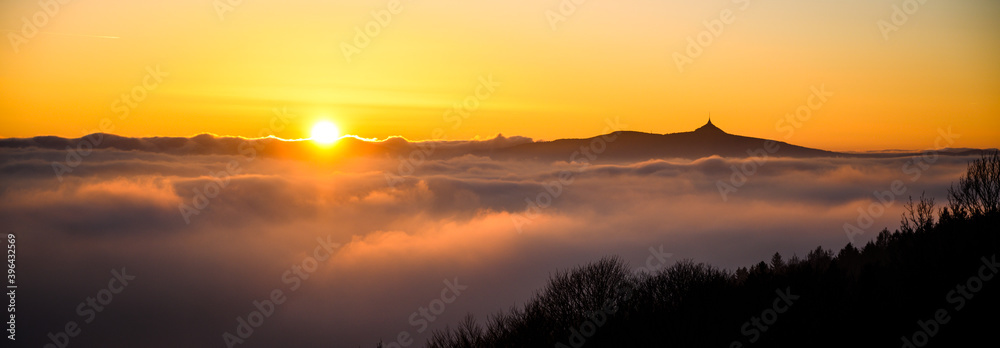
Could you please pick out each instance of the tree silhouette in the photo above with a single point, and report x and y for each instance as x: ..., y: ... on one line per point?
x: 776, y: 263
x: 977, y: 193
x: 919, y: 216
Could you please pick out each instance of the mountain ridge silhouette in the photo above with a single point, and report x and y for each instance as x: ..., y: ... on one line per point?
x: 618, y: 146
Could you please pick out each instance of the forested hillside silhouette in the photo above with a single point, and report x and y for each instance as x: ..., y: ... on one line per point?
x: 932, y: 282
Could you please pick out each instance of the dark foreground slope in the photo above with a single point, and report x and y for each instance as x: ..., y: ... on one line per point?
x: 873, y: 297
x: 929, y: 284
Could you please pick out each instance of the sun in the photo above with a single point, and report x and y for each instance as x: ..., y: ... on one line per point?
x: 325, y: 132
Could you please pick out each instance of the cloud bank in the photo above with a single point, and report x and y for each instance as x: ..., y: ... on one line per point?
x: 210, y: 232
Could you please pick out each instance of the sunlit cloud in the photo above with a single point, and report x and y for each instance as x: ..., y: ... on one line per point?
x: 451, y: 217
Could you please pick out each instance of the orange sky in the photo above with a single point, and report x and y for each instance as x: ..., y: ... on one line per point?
x: 224, y: 74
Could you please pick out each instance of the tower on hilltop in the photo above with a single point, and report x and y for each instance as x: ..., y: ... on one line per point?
x: 709, y: 128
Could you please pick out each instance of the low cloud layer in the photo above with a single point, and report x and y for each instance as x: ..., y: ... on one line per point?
x: 207, y: 233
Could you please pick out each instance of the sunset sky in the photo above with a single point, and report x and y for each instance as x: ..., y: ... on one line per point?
x: 210, y: 225
x: 224, y: 72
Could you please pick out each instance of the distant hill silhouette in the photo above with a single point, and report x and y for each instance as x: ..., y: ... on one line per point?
x: 708, y: 140
x: 619, y: 146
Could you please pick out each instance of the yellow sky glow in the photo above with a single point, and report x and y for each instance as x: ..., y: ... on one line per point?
x: 198, y: 70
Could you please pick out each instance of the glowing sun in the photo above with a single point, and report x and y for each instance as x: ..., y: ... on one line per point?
x: 325, y: 132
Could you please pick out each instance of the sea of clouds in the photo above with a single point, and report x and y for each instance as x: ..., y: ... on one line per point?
x: 356, y: 248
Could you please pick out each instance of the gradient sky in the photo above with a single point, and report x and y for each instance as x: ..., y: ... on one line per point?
x: 609, y: 58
